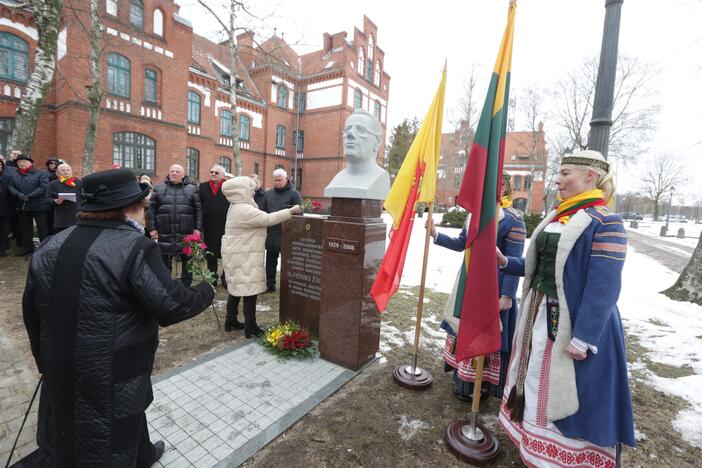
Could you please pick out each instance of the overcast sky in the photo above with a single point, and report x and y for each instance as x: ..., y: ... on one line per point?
x: 552, y: 37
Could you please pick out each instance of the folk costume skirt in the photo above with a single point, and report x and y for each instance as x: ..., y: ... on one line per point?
x: 539, y: 441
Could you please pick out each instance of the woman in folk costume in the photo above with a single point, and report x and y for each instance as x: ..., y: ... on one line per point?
x: 567, y: 399
x: 511, y: 233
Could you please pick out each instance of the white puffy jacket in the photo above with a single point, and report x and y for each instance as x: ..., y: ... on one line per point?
x: 243, y: 243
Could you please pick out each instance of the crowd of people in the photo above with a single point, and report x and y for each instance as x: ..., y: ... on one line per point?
x: 112, y: 273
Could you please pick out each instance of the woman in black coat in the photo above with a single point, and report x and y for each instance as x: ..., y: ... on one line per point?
x: 109, y: 286
x: 214, y: 215
x: 64, y: 209
x: 5, y: 209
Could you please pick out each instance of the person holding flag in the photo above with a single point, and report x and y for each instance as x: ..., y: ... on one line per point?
x: 511, y: 233
x: 566, y: 399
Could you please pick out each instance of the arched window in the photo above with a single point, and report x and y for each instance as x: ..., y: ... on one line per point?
x: 225, y: 123
x: 517, y: 183
x: 361, y: 60
x: 136, y: 13
x: 192, y: 164
x: 7, y: 126
x: 14, y: 58
x: 244, y: 127
x: 357, y: 99
x: 134, y: 151
x: 226, y: 163
x: 111, y: 7
x: 527, y: 183
x: 376, y: 109
x: 193, y: 108
x: 376, y: 74
x: 280, y: 137
x: 371, y: 46
x: 151, y: 86
x: 158, y: 22
x: 118, y: 69
x: 282, y: 96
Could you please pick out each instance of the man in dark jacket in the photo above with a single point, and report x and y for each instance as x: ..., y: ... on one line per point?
x: 96, y: 294
x: 59, y: 194
x: 282, y: 195
x: 214, y: 212
x: 28, y: 187
x: 6, y: 209
x: 52, y: 165
x: 174, y: 213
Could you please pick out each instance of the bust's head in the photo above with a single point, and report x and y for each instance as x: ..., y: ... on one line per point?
x: 362, y: 136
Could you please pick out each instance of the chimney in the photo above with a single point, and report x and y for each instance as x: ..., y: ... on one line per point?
x: 339, y: 39
x: 245, y: 46
x: 327, y: 42
x: 541, y: 127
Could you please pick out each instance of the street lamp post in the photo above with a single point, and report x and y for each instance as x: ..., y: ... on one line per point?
x: 604, y: 91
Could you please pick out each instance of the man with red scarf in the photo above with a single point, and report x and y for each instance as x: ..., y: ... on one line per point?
x: 214, y: 207
x: 28, y: 187
x: 64, y: 208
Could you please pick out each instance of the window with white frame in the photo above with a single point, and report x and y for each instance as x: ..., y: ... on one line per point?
x: 136, y: 13
x: 111, y: 7
x: 158, y: 22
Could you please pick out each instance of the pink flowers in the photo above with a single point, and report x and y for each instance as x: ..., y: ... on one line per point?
x: 188, y: 251
x: 316, y: 206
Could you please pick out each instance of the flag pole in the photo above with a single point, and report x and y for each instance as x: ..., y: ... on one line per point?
x: 412, y: 376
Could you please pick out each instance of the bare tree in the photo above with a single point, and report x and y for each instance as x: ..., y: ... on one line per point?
x: 557, y: 147
x: 634, y: 108
x: 662, y: 173
x: 468, y: 105
x: 530, y: 107
x: 94, y: 90
x: 47, y: 16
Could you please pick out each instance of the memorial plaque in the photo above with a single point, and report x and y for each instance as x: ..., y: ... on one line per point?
x: 301, y: 271
x: 341, y: 245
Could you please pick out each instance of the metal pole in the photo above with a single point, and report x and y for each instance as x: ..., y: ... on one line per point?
x: 670, y: 203
x: 604, y: 91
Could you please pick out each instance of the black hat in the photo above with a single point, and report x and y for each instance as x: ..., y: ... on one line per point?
x: 110, y: 190
x: 25, y: 157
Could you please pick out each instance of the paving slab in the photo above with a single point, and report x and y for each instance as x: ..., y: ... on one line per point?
x: 222, y: 408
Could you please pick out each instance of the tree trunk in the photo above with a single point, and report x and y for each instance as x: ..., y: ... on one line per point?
x: 236, y: 151
x: 688, y: 287
x: 655, y: 208
x: 95, y: 91
x: 47, y: 15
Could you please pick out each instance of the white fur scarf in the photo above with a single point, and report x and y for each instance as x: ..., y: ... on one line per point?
x: 562, y: 389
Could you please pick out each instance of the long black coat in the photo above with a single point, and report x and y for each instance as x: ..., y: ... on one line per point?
x: 275, y: 200
x: 214, y: 214
x: 175, y: 210
x: 29, y: 190
x: 96, y: 294
x: 65, y: 213
x: 6, y: 203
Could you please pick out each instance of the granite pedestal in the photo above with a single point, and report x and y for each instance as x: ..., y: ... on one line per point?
x: 353, y: 245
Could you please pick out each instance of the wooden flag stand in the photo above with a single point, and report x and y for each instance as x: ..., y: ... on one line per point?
x: 412, y: 376
x: 470, y: 441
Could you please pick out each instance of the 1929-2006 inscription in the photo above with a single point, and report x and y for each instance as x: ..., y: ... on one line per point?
x: 305, y: 268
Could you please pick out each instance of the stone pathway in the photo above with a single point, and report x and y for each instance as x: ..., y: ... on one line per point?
x: 224, y: 407
x: 18, y: 379
x: 674, y: 256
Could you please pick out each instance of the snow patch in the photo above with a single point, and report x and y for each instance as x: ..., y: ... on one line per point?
x: 410, y: 427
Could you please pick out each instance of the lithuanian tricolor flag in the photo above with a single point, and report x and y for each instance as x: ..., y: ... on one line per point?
x: 477, y: 296
x: 415, y: 182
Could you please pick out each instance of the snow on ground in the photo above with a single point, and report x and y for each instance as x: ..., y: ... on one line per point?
x: 653, y: 229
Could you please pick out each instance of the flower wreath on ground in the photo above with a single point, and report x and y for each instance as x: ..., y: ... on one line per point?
x: 287, y: 340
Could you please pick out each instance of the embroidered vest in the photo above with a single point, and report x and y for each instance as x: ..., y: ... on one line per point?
x: 545, y: 273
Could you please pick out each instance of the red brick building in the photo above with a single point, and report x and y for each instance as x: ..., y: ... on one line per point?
x: 167, y: 98
x: 525, y: 162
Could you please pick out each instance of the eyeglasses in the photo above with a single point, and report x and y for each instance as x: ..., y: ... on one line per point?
x: 214, y: 172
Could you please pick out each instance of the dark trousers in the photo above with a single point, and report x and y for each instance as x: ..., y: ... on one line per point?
x: 250, y: 324
x: 146, y: 451
x: 26, y: 228
x: 4, y: 231
x: 185, y: 276
x: 271, y: 267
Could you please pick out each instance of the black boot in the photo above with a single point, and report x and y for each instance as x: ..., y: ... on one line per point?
x: 232, y: 322
x: 251, y: 327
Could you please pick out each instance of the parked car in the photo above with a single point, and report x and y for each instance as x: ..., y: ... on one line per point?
x: 632, y: 216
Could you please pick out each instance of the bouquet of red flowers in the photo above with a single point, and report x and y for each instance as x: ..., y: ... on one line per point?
x: 194, y: 249
x: 310, y: 206
x: 289, y: 340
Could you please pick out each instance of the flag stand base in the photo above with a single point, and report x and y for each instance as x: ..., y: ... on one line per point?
x: 479, y: 448
x: 420, y: 379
